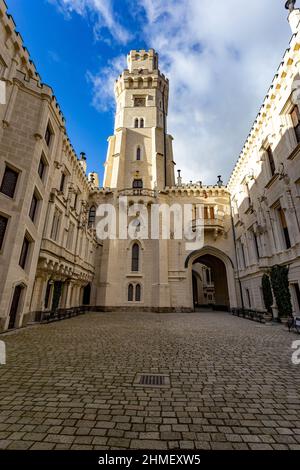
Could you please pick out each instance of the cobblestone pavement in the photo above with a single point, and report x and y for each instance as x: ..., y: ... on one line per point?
x: 69, y: 385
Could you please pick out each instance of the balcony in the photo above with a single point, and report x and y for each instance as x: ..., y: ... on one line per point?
x: 210, y: 224
x: 138, y: 192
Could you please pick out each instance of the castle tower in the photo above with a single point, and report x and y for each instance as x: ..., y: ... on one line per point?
x: 140, y: 151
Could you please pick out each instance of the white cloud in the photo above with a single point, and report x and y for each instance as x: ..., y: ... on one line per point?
x: 104, y: 18
x: 220, y: 58
x: 103, y: 83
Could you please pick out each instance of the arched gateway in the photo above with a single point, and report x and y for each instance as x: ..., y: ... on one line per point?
x: 211, y: 275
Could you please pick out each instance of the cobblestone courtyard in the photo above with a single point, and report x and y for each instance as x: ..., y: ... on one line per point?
x: 69, y: 385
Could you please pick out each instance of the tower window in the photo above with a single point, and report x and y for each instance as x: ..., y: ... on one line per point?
x: 136, y: 123
x: 139, y: 102
x: 142, y: 123
x: 138, y: 154
x: 130, y: 293
x: 137, y: 184
x: 135, y: 258
x: 9, y: 182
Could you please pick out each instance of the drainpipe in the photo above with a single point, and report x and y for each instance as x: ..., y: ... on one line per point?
x: 236, y: 256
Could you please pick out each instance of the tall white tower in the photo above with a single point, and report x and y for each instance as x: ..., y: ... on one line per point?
x: 140, y: 151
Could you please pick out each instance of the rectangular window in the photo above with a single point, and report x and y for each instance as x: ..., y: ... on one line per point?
x: 256, y: 247
x: 55, y: 225
x: 243, y: 257
x: 33, y: 207
x: 42, y: 168
x: 140, y: 102
x: 62, y: 183
x: 9, y: 182
x: 24, y: 252
x: 295, y: 115
x: 271, y: 160
x: 284, y: 227
x: 48, y: 135
x: 75, y: 201
x: 3, y: 227
x: 70, y: 236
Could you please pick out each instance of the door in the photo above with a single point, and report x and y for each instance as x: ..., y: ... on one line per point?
x: 56, y: 294
x: 87, y: 295
x: 14, y: 309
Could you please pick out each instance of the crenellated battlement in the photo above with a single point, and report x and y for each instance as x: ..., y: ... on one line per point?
x: 142, y: 60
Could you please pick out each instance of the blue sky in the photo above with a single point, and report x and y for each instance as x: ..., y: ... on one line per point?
x: 220, y: 58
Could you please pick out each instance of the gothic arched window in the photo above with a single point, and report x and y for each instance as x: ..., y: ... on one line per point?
x: 142, y: 123
x: 92, y: 215
x: 138, y: 293
x: 135, y: 258
x: 136, y: 123
x: 138, y: 153
x: 130, y: 293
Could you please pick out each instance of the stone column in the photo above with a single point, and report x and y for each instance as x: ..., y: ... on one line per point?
x: 68, y: 300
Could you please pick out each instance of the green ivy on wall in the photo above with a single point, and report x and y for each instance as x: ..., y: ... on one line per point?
x: 280, y: 284
x: 267, y: 293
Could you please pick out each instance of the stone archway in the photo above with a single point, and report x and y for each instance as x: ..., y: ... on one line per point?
x: 222, y: 271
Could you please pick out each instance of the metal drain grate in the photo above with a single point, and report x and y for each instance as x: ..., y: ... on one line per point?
x: 152, y: 380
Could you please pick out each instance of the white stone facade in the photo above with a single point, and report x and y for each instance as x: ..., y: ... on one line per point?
x: 50, y: 256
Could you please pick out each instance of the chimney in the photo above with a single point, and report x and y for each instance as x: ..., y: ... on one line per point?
x: 179, y: 179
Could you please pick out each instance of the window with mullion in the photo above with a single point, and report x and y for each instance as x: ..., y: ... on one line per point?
x: 9, y: 182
